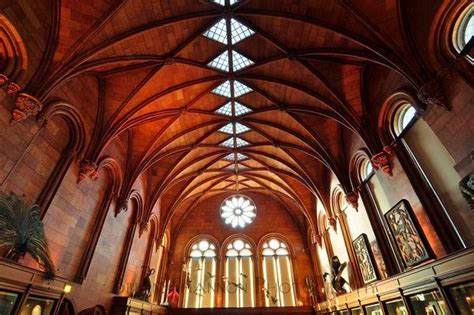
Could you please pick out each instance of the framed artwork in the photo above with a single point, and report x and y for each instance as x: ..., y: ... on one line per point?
x: 404, y: 232
x: 365, y: 258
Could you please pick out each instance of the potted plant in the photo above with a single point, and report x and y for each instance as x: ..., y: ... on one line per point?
x: 21, y: 232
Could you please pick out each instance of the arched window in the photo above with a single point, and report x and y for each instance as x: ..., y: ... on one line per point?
x: 239, y: 275
x: 279, y: 286
x: 201, y: 274
x: 365, y: 170
x: 464, y: 29
x: 402, y: 117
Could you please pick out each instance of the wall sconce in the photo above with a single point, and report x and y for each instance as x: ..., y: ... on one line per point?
x: 67, y: 288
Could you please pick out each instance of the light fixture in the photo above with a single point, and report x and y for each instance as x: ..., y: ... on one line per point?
x: 67, y: 288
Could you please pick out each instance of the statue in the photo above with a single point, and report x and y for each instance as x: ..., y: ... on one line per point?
x: 467, y: 189
x: 145, y: 289
x: 173, y: 298
x: 338, y: 281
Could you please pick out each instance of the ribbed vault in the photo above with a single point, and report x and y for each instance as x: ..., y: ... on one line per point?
x: 291, y: 86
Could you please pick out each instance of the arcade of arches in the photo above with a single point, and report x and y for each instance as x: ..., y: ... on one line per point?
x: 236, y: 156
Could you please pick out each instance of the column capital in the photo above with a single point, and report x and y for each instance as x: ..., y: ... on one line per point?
x: 382, y: 160
x: 25, y: 106
x: 87, y: 169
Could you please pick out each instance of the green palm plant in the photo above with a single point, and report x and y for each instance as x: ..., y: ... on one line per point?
x: 21, y: 232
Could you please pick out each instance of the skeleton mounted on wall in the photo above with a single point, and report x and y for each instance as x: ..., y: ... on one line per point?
x: 337, y: 281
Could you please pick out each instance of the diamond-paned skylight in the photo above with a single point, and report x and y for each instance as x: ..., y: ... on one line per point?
x: 239, y: 31
x: 222, y: 2
x: 228, y: 143
x: 218, y: 32
x: 240, y: 142
x: 241, y: 109
x: 239, y: 128
x: 239, y: 61
x: 240, y: 89
x: 229, y: 157
x: 223, y: 89
x: 227, y: 129
x: 221, y: 62
x: 241, y: 157
x: 225, y: 109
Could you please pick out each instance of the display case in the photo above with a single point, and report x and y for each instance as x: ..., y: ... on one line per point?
x: 462, y: 298
x: 356, y: 311
x: 8, y: 301
x: 428, y: 303
x: 395, y: 307
x: 36, y: 305
x: 373, y: 309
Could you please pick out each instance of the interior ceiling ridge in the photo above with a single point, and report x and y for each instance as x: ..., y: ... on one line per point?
x: 244, y: 90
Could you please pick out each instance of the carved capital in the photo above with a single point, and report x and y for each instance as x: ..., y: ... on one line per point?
x: 121, y: 204
x: 25, y: 106
x: 3, y: 80
x: 13, y: 88
x: 143, y: 227
x: 352, y: 198
x: 319, y: 239
x: 87, y: 169
x: 431, y: 93
x: 382, y: 160
x: 333, y: 223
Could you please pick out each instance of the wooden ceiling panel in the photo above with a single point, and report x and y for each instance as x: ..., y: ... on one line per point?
x: 316, y: 73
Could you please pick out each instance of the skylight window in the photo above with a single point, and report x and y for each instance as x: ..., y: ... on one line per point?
x: 227, y: 129
x: 218, y: 32
x: 240, y: 89
x: 225, y: 109
x: 222, y: 2
x: 239, y: 128
x: 239, y: 31
x: 241, y: 157
x: 239, y: 61
x: 221, y: 62
x: 223, y: 89
x: 241, y: 109
x: 241, y: 142
x: 228, y: 143
x: 230, y: 157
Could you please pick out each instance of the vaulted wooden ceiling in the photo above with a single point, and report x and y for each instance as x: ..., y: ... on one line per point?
x: 314, y: 68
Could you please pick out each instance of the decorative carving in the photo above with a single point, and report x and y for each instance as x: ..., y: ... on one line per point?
x: 3, y: 80
x: 352, y: 198
x: 121, y: 205
x: 333, y: 223
x: 431, y: 94
x: 466, y: 185
x: 25, y: 106
x: 87, y: 169
x: 143, y: 227
x: 319, y: 239
x: 13, y: 88
x: 382, y: 160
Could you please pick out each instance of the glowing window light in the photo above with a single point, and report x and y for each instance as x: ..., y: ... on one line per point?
x: 218, y: 32
x: 238, y: 211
